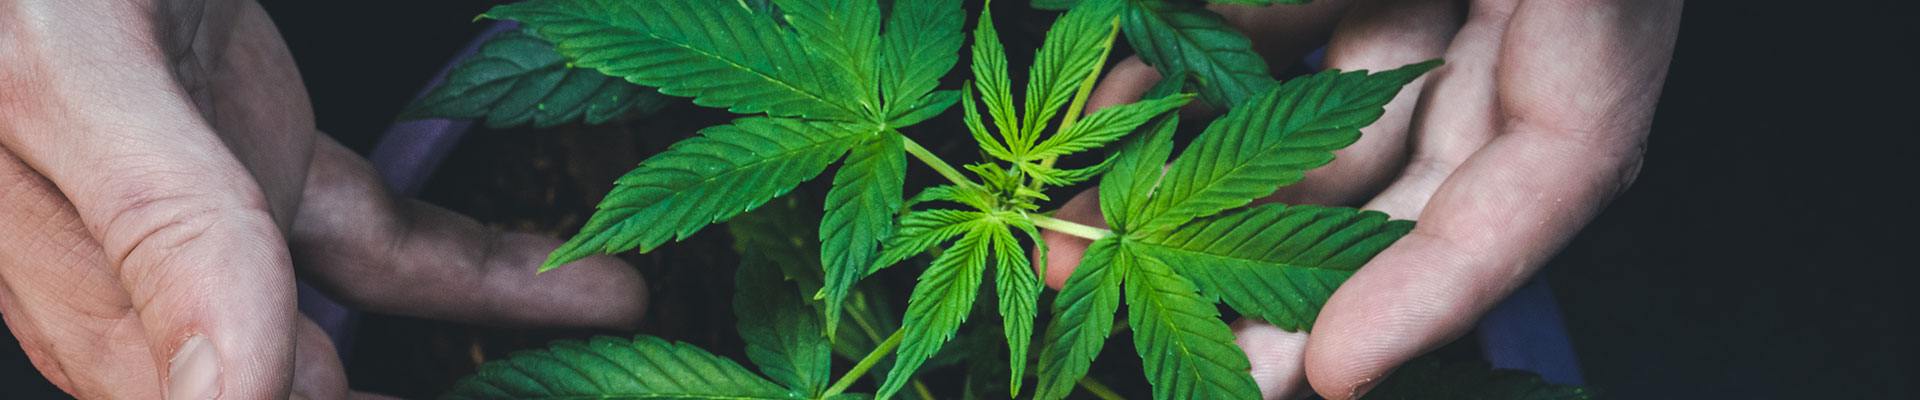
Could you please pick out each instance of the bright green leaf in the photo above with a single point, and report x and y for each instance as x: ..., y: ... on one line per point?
x: 990, y: 75
x: 988, y: 143
x: 726, y: 170
x: 921, y: 230
x: 782, y: 331
x: 1276, y: 262
x: 604, y: 367
x: 1188, y: 352
x: 1105, y: 126
x: 518, y: 79
x: 860, y: 209
x: 1019, y: 292
x: 720, y: 54
x: 939, y: 304
x: 1272, y: 141
x: 1082, y: 318
x: 1068, y: 57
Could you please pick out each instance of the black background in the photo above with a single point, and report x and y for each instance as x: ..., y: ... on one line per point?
x: 1758, y: 255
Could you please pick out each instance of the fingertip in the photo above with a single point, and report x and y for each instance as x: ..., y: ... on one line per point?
x: 1063, y: 250
x: 1411, y: 299
x: 1275, y: 355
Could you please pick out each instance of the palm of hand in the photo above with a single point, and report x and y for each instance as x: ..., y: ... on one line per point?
x: 162, y: 183
x: 1538, y: 119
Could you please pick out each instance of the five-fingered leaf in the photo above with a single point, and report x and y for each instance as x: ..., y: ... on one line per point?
x: 726, y: 170
x: 1272, y: 141
x: 1174, y: 35
x: 1188, y: 351
x: 719, y: 53
x: 517, y: 79
x: 1275, y: 262
x: 1083, y: 317
x: 604, y: 367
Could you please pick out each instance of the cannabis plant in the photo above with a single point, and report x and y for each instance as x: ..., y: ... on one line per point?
x: 826, y: 81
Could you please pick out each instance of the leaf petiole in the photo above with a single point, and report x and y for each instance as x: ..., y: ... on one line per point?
x: 866, y: 363
x: 933, y: 161
x: 1069, y: 227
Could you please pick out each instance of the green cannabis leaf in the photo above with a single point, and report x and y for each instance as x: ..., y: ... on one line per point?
x: 518, y: 79
x: 782, y: 332
x: 940, y: 302
x: 1276, y: 262
x: 1188, y: 351
x: 1272, y: 141
x: 605, y: 367
x: 1083, y: 317
x: 1180, y: 36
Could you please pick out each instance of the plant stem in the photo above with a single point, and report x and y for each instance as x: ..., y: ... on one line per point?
x: 1069, y: 227
x: 921, y: 388
x: 1099, y: 389
x: 933, y: 161
x: 860, y: 369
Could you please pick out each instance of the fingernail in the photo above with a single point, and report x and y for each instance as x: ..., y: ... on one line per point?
x: 194, y: 371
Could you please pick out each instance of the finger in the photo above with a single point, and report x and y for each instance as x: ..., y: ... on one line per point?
x: 178, y: 217
x: 1125, y: 83
x: 62, y: 303
x: 1462, y: 116
x: 317, y: 372
x: 1275, y: 356
x: 1376, y: 36
x: 1577, y: 86
x: 1285, y: 33
x: 1063, y: 250
x: 400, y: 256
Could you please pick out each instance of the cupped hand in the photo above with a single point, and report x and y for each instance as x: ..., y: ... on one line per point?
x: 160, y: 180
x: 1539, y: 118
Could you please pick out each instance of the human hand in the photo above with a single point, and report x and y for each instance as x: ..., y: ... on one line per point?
x: 160, y: 178
x: 1538, y: 119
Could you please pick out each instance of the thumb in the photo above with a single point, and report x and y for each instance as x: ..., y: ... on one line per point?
x: 181, y: 221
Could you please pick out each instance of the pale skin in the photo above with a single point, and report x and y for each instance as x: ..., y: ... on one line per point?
x: 162, y: 183
x: 1538, y: 119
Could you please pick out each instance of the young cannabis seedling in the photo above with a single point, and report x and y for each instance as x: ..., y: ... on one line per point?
x: 827, y: 80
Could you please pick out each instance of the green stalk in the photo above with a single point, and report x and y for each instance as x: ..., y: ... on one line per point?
x: 1099, y: 390
x: 860, y: 369
x: 933, y: 161
x: 1069, y: 227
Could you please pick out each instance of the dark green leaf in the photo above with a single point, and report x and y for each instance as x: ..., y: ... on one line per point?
x: 604, y: 367
x: 1275, y: 262
x: 844, y: 34
x: 1082, y: 318
x: 860, y: 208
x: 1272, y: 141
x: 1174, y: 35
x: 921, y: 44
x: 781, y: 329
x: 726, y: 170
x: 518, y: 79
x: 720, y: 54
x: 1188, y: 352
x: 929, y: 106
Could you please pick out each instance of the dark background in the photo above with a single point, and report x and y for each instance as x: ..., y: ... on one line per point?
x: 1754, y: 258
